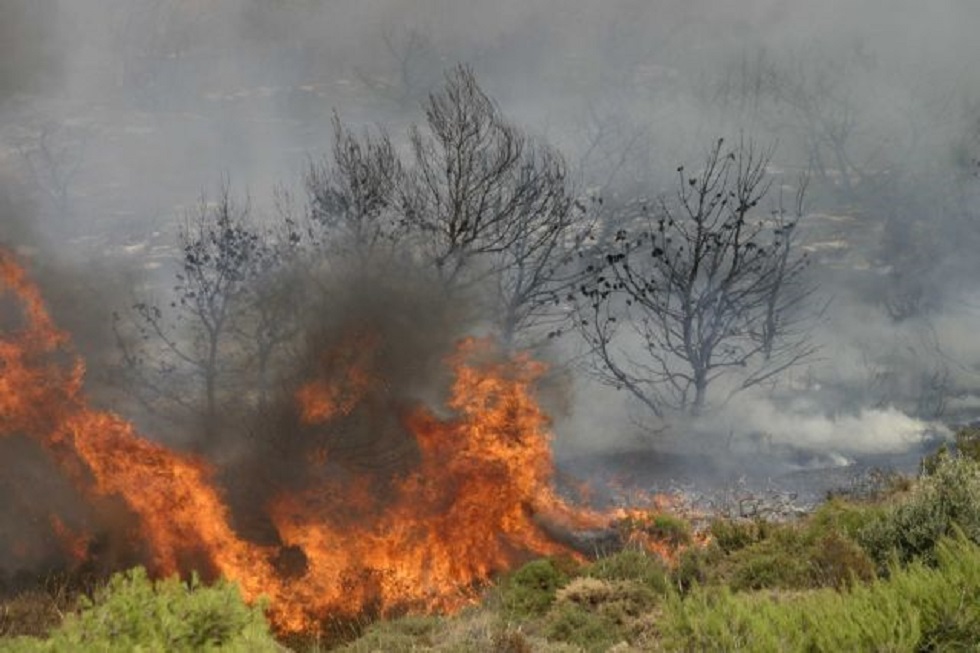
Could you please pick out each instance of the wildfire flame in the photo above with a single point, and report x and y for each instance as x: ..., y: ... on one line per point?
x: 479, y: 500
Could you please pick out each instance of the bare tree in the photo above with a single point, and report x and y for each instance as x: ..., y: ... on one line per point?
x: 485, y: 203
x: 537, y: 271
x: 414, y: 64
x: 54, y: 160
x: 191, y: 340
x: 477, y: 202
x: 353, y: 196
x: 698, y: 288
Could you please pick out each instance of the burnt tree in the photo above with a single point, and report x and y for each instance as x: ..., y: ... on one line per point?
x: 189, y: 346
x: 487, y: 206
x: 352, y: 197
x: 700, y: 286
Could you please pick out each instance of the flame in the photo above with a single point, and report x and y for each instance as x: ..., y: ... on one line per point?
x: 478, y: 499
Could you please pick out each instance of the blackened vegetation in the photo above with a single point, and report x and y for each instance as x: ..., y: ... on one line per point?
x: 706, y: 283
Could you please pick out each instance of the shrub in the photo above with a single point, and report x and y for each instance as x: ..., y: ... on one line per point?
x: 793, y: 557
x: 949, y: 495
x: 618, y: 601
x: 696, y: 566
x: 530, y: 590
x: 916, y: 608
x: 569, y: 622
x: 131, y: 612
x: 837, y: 561
x: 968, y: 442
x: 33, y: 613
x: 734, y: 534
x: 839, y: 516
x: 511, y: 641
x: 633, y: 565
x: 769, y: 564
x: 395, y: 635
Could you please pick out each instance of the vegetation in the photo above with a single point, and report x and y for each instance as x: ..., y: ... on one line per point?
x: 132, y: 612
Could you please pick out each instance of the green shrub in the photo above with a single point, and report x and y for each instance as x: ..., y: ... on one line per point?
x: 770, y: 565
x: 618, y: 601
x: 131, y: 612
x: 569, y: 622
x: 840, y: 516
x: 794, y: 557
x: 697, y: 566
x: 530, y: 590
x: 633, y: 565
x: 396, y: 635
x: 968, y: 442
x: 838, y: 561
x: 916, y: 608
x: 949, y: 495
x: 734, y: 534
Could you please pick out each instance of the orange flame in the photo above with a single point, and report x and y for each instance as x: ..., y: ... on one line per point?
x: 479, y: 500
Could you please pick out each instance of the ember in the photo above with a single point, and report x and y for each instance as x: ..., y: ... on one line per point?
x: 478, y: 500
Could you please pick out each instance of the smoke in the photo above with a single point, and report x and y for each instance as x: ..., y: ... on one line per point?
x: 114, y: 114
x: 761, y: 427
x: 376, y: 341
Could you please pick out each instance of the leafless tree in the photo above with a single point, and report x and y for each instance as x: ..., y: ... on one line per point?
x: 485, y: 202
x: 54, y: 159
x: 414, y: 65
x: 353, y: 197
x: 699, y: 287
x: 191, y: 341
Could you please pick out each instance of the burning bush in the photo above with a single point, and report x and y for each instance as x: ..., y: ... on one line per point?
x: 474, y: 498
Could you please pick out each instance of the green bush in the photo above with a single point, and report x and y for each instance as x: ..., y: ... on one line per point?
x: 770, y: 564
x: 572, y: 623
x: 132, y: 612
x: 917, y: 608
x: 697, y: 566
x: 530, y: 590
x: 396, y: 635
x: 734, y: 534
x: 633, y: 565
x: 947, y: 496
x: 966, y: 444
x: 840, y: 516
x: 789, y: 556
x: 838, y: 561
x: 618, y: 601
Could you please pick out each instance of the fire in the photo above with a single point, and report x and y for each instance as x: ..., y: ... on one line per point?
x: 478, y: 498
